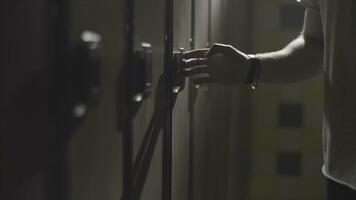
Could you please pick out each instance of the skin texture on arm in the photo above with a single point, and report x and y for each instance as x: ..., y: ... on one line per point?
x: 299, y: 60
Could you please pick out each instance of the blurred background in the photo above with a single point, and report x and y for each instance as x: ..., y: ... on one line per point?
x: 83, y: 104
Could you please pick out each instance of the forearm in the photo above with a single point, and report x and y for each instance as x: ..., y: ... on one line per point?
x: 299, y: 60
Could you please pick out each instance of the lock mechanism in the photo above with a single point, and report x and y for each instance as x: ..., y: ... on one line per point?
x: 178, y: 77
x: 84, y: 74
x: 141, y: 73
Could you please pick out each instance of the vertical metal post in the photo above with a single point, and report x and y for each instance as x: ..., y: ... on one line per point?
x: 127, y: 168
x: 192, y: 24
x: 167, y: 127
x: 3, y: 136
x: 128, y: 124
x: 57, y: 175
x: 209, y: 22
x: 191, y: 110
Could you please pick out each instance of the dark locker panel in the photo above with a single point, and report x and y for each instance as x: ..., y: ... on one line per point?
x: 94, y: 155
x: 59, y: 137
x: 28, y: 125
x: 154, y: 176
x: 167, y: 161
x: 148, y: 114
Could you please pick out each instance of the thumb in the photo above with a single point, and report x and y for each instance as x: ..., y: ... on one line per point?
x: 215, y: 49
x: 218, y: 49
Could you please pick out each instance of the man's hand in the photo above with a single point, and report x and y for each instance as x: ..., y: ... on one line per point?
x: 221, y: 64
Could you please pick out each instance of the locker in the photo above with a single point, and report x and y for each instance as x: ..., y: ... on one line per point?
x: 94, y: 152
x: 147, y: 116
x: 141, y: 142
x: 58, y: 139
x: 28, y: 115
x: 105, y: 120
x: 150, y: 128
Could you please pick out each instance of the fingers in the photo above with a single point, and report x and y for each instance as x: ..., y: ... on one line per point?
x: 223, y: 49
x: 198, y: 53
x: 195, y: 66
x: 215, y: 49
x: 200, y: 69
x: 199, y: 75
x: 194, y: 62
x: 197, y: 70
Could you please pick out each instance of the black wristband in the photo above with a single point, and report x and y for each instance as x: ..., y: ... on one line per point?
x: 254, y: 73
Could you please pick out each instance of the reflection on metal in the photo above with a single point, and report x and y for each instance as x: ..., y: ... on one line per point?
x: 146, y: 45
x: 176, y: 89
x: 92, y: 38
x: 137, y: 98
x: 79, y: 110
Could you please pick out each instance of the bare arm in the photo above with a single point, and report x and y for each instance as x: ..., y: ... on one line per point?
x: 300, y: 59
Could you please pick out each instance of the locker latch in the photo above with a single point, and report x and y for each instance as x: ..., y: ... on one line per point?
x: 85, y: 73
x: 141, y: 73
x: 178, y: 77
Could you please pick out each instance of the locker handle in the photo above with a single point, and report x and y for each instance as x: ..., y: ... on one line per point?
x: 178, y: 77
x: 141, y: 73
x: 85, y: 72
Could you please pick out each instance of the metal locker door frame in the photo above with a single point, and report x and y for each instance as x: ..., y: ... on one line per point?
x: 190, y: 109
x: 127, y: 124
x: 58, y: 188
x: 135, y: 172
x: 167, y: 129
x: 55, y: 28
x: 129, y: 173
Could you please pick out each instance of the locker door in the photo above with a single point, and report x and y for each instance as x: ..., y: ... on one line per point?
x: 154, y: 176
x: 27, y: 117
x: 94, y: 151
x: 180, y: 114
x: 85, y: 156
x: 220, y: 114
x: 147, y: 114
x: 199, y: 109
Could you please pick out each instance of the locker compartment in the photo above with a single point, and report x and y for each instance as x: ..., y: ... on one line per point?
x: 26, y: 117
x: 147, y: 122
x: 94, y: 155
